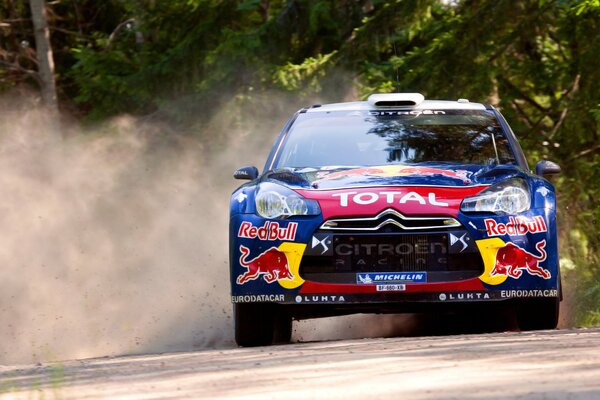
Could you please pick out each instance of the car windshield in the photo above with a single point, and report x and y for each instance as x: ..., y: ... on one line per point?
x: 369, y: 138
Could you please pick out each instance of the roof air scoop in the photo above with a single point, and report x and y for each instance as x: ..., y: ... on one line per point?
x: 396, y: 99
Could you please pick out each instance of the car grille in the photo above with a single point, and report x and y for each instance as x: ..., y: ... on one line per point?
x: 362, y: 253
x: 389, y: 221
x: 428, y: 251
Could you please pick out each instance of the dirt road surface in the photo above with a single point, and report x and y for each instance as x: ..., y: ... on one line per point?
x: 562, y: 364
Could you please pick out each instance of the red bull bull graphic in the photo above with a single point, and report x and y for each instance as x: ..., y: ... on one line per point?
x: 516, y: 226
x: 395, y: 170
x: 512, y: 260
x: 271, y: 230
x: 504, y: 260
x: 271, y: 265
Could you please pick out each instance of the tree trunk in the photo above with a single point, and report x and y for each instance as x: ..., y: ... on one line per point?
x: 44, y: 56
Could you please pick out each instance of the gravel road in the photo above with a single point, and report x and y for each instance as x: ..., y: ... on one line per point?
x: 540, y: 365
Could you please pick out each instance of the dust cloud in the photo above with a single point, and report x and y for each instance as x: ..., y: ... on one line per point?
x: 114, y: 239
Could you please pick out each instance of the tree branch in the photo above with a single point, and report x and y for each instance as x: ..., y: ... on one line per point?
x: 118, y: 29
x: 18, y: 68
x: 567, y: 94
x: 77, y: 17
x: 68, y: 32
x: 557, y: 125
x: 584, y: 152
x: 521, y: 112
x: 11, y: 20
x: 557, y: 41
x: 572, y: 90
x: 522, y: 94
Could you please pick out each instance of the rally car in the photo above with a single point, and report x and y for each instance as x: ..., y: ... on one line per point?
x: 394, y: 204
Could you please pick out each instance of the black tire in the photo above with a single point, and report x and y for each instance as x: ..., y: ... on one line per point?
x: 254, y: 324
x: 283, y: 328
x: 538, y: 314
x: 560, y: 286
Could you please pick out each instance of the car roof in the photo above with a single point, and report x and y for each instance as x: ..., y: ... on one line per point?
x: 425, y: 105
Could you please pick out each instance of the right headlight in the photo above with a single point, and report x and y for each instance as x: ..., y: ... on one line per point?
x: 276, y: 201
x: 510, y: 196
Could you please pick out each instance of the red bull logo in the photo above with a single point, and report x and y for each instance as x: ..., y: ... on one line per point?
x: 512, y: 260
x: 516, y: 226
x: 398, y: 170
x: 269, y: 231
x: 272, y: 265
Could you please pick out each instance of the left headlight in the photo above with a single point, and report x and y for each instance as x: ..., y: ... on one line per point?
x: 275, y: 201
x: 510, y: 196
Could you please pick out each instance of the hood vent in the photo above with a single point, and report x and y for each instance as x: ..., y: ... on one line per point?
x: 287, y: 176
x: 395, y: 99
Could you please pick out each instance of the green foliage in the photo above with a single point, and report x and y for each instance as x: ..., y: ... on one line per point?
x: 107, y: 80
x: 299, y: 77
x: 587, y: 7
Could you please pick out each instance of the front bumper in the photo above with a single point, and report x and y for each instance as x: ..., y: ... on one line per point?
x: 274, y: 268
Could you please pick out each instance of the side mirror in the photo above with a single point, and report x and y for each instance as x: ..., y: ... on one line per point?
x: 249, y: 173
x: 545, y: 168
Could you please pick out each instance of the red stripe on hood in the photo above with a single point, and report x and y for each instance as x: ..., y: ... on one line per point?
x: 408, y: 200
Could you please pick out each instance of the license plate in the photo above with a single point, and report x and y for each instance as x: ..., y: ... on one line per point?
x: 391, y: 288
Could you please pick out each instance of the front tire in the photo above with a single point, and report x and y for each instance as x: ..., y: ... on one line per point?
x: 538, y: 314
x: 254, y: 324
x: 283, y: 328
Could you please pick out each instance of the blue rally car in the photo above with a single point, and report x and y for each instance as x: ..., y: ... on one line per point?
x: 395, y: 204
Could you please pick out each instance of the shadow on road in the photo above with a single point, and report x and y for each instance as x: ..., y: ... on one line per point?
x: 404, y: 325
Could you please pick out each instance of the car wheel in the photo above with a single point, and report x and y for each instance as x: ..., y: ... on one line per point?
x: 283, y: 328
x: 538, y: 314
x: 254, y: 324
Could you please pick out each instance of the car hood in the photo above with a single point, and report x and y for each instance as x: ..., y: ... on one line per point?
x: 449, y: 175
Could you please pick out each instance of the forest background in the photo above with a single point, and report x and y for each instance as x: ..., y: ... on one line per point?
x: 181, y: 62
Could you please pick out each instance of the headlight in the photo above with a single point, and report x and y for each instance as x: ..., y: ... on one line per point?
x: 275, y: 201
x: 507, y: 197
